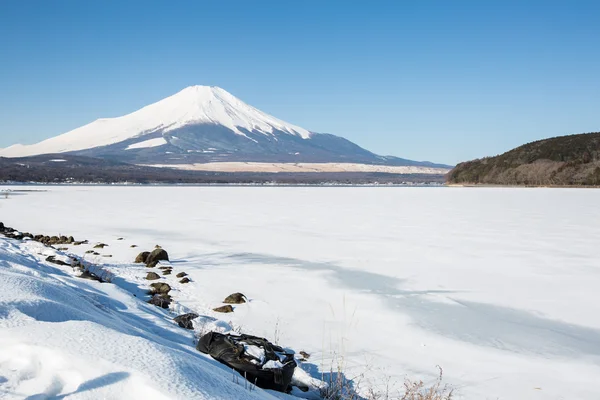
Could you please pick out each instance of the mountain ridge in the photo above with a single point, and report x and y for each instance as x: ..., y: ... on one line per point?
x: 202, y: 124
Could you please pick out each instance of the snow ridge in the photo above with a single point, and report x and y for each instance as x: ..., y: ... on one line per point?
x: 192, y: 105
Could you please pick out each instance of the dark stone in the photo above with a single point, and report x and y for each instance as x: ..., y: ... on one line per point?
x: 185, y: 280
x: 90, y: 276
x: 152, y: 276
x: 235, y: 298
x: 55, y: 261
x: 119, y: 238
x: 142, y: 257
x: 224, y: 309
x: 100, y: 246
x: 107, y: 255
x: 185, y: 320
x: 1, y: 226
x: 181, y: 275
x: 89, y: 252
x: 160, y: 288
x: 63, y: 239
x: 133, y: 245
x: 70, y: 239
x: 157, y: 255
x: 152, y: 264
x: 167, y: 272
x: 160, y: 300
x: 305, y: 355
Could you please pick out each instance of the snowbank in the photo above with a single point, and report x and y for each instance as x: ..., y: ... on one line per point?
x: 67, y: 337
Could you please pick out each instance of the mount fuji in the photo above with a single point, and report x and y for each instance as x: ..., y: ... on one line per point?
x: 204, y: 124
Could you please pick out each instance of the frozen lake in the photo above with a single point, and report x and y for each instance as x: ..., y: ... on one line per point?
x: 497, y: 286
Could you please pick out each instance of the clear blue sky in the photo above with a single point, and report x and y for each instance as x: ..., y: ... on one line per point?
x: 429, y: 80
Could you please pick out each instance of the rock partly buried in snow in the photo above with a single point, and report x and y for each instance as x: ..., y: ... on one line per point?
x: 160, y: 288
x: 142, y: 257
x: 133, y: 245
x: 185, y: 280
x: 152, y: 264
x: 160, y: 300
x: 305, y: 356
x: 181, y: 275
x: 152, y: 276
x: 55, y: 261
x: 157, y: 255
x: 235, y: 298
x: 167, y: 272
x: 185, y: 320
x: 224, y: 309
x: 100, y: 246
x: 90, y: 276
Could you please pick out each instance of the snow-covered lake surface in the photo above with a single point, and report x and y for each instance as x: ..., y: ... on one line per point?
x: 499, y: 287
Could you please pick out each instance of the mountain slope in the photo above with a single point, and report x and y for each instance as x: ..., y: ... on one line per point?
x: 203, y: 124
x: 564, y: 160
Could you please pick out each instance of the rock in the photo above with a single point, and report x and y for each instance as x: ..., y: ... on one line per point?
x: 120, y: 238
x: 90, y: 276
x: 63, y: 239
x: 133, y: 245
x: 160, y: 288
x: 160, y: 300
x: 181, y: 275
x: 185, y: 320
x: 1, y: 226
x: 55, y: 261
x: 152, y: 264
x: 142, y: 257
x: 158, y: 246
x: 63, y: 248
x: 100, y: 246
x: 235, y: 298
x: 96, y: 253
x: 305, y: 355
x: 107, y: 255
x: 70, y: 239
x: 157, y: 255
x: 224, y: 309
x: 167, y: 272
x: 185, y: 280
x: 165, y: 267
x: 80, y: 242
x: 27, y: 234
x: 152, y: 276
x: 89, y: 251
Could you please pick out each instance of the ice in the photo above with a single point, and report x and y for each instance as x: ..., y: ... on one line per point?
x: 496, y: 286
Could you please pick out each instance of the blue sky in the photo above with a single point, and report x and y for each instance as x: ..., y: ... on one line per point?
x: 428, y: 80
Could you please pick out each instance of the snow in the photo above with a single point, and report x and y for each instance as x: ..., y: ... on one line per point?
x: 497, y: 286
x: 67, y: 337
x: 240, y: 166
x: 192, y: 105
x: 147, y: 143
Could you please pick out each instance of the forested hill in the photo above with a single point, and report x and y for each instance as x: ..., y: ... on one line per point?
x: 561, y: 161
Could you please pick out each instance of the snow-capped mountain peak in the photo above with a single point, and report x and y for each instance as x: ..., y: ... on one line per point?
x: 192, y: 105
